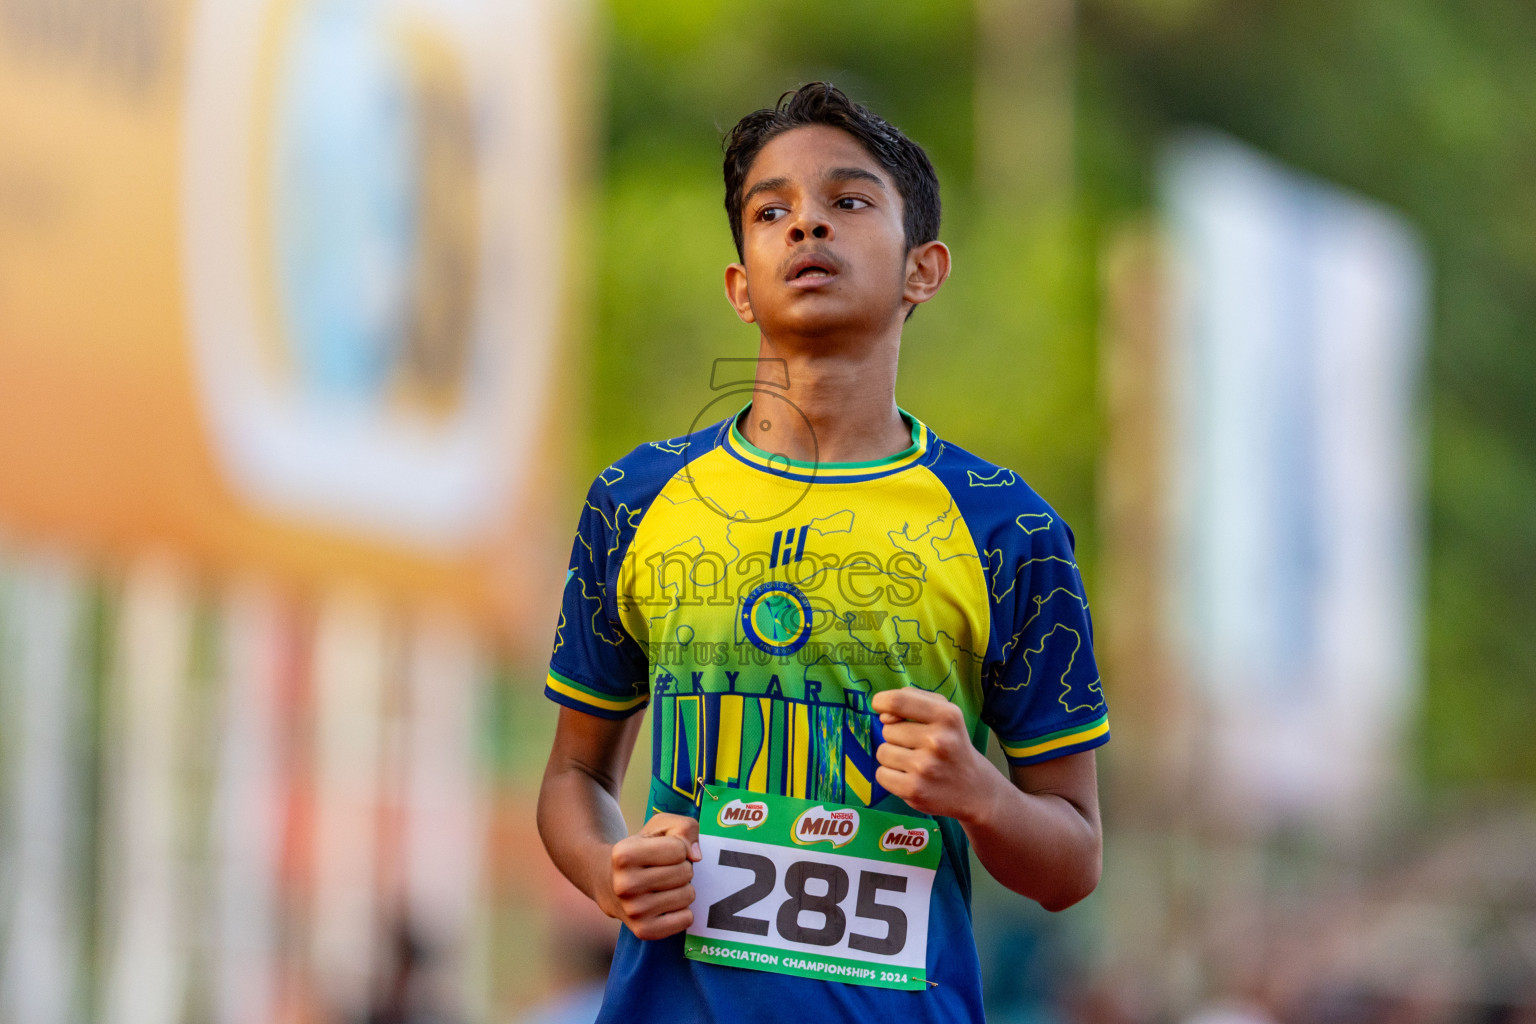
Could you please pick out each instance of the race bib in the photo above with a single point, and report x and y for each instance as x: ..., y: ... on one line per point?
x: 818, y: 890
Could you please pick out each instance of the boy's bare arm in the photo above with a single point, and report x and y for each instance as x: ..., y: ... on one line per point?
x: 644, y: 880
x: 1037, y: 833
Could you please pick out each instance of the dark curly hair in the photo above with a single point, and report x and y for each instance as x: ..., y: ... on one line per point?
x: 824, y: 103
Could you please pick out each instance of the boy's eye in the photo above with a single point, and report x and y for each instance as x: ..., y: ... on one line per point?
x: 770, y: 213
x: 851, y: 203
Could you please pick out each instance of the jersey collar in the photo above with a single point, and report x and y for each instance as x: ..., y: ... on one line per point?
x: 830, y: 472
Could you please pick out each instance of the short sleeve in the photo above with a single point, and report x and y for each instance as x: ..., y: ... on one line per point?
x: 596, y: 666
x: 1043, y: 697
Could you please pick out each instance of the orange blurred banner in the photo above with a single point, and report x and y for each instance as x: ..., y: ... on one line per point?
x: 282, y: 284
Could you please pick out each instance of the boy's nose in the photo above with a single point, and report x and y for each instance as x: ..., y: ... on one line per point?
x: 813, y: 226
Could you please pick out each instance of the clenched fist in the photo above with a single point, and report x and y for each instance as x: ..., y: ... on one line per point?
x: 652, y: 876
x: 927, y: 758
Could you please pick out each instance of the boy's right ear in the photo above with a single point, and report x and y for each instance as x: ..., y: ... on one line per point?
x: 736, y: 292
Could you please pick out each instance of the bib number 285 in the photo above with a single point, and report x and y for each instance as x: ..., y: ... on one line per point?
x: 817, y: 890
x: 827, y: 891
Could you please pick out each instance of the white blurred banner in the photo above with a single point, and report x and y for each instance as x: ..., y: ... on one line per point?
x: 372, y: 208
x: 44, y: 789
x: 1295, y: 349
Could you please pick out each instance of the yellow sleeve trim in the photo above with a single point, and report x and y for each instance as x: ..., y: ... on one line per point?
x: 564, y: 688
x: 1070, y: 740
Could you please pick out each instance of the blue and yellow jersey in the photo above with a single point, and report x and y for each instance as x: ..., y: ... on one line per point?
x: 756, y: 603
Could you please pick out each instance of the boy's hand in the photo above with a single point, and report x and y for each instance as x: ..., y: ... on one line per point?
x: 927, y: 758
x: 652, y: 876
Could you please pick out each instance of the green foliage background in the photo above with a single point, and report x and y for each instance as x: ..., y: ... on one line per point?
x: 1424, y: 104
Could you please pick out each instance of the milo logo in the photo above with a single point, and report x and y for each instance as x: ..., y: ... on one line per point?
x: 819, y: 825
x: 737, y: 813
x: 908, y: 840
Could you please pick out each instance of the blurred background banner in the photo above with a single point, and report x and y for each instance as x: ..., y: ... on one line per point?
x: 291, y: 283
x: 285, y: 302
x: 373, y: 249
x: 318, y: 316
x: 1292, y: 573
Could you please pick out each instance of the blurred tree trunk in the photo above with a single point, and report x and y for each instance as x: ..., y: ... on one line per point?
x: 1024, y: 123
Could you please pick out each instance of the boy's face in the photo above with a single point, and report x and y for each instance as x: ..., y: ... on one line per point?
x: 823, y: 244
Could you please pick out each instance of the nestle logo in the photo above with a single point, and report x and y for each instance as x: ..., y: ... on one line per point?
x: 898, y: 837
x: 819, y: 825
x: 737, y: 813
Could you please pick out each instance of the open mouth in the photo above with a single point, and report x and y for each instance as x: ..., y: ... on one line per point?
x: 811, y: 266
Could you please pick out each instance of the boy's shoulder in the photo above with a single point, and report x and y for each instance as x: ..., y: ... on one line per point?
x: 636, y: 478
x: 994, y: 499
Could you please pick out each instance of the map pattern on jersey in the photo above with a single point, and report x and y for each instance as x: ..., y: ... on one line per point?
x: 760, y: 643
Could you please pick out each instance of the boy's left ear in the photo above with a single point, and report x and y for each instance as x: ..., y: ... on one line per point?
x: 927, y: 270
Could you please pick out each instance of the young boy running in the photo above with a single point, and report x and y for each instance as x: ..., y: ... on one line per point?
x: 826, y: 607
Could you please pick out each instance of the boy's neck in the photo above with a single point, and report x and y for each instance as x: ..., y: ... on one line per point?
x: 846, y: 400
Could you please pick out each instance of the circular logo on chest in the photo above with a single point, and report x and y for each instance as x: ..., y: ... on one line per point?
x: 776, y: 617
